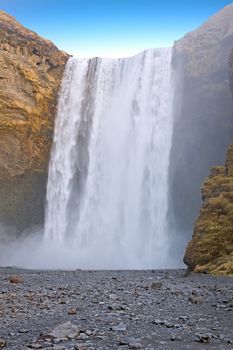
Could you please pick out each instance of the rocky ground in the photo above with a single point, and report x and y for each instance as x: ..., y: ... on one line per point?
x: 115, y: 310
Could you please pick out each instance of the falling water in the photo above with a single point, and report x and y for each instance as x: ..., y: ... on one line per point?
x: 107, y: 195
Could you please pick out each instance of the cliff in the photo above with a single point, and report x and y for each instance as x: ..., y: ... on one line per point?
x: 31, y: 69
x: 203, y: 126
x: 211, y: 248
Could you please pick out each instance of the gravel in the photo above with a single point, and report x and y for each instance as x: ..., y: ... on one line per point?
x: 154, y: 309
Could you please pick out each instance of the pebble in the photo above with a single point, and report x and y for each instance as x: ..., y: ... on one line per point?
x: 100, y: 310
x: 2, y: 343
x: 72, y: 311
x: 135, y: 345
x: 63, y: 331
x: 119, y: 328
x: 202, y: 338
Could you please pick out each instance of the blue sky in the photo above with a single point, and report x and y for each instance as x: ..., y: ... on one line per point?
x: 113, y: 28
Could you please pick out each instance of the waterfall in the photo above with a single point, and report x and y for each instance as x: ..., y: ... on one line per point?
x: 107, y: 194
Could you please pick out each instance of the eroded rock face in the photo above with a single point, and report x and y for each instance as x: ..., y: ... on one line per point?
x: 211, y: 247
x: 203, y: 126
x: 31, y: 69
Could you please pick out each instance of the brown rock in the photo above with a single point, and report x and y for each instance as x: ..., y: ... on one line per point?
x: 195, y: 300
x: 72, y: 311
x: 2, y: 343
x: 16, y: 279
x: 31, y: 69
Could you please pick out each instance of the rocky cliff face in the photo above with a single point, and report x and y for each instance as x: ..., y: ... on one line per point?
x: 31, y: 69
x: 203, y: 122
x: 211, y: 248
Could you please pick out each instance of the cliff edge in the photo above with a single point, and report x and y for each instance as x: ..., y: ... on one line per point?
x: 31, y: 70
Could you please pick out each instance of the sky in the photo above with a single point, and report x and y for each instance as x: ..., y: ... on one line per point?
x: 111, y: 28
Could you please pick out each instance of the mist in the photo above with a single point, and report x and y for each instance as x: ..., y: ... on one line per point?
x: 32, y: 251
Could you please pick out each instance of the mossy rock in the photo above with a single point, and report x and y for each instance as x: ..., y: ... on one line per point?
x: 211, y: 247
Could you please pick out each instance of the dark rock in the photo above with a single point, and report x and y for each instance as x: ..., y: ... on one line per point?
x: 202, y: 338
x: 203, y: 125
x: 2, y: 343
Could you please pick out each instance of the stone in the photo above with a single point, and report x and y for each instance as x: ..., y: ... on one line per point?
x: 135, y: 345
x: 124, y: 341
x: 72, y: 311
x: 88, y: 332
x: 202, y: 338
x: 195, y: 300
x: 83, y: 336
x: 119, y: 328
x: 80, y: 346
x: 159, y: 322
x: 23, y: 331
x: 157, y: 285
x: 16, y: 279
x: 2, y: 343
x: 64, y: 331
x: 116, y: 307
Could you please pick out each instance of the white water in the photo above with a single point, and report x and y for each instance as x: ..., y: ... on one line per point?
x: 107, y: 195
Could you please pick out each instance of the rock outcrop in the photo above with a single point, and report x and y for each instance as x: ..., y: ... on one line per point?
x: 203, y: 126
x: 31, y: 69
x: 211, y: 248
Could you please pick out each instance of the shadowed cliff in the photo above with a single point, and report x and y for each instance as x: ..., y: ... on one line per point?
x: 31, y: 69
x: 203, y: 126
x: 211, y: 247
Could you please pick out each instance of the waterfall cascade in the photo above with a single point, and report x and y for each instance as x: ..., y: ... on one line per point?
x: 107, y: 195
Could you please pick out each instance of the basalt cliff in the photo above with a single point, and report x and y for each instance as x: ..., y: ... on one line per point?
x: 203, y: 121
x: 31, y: 69
x: 211, y: 248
